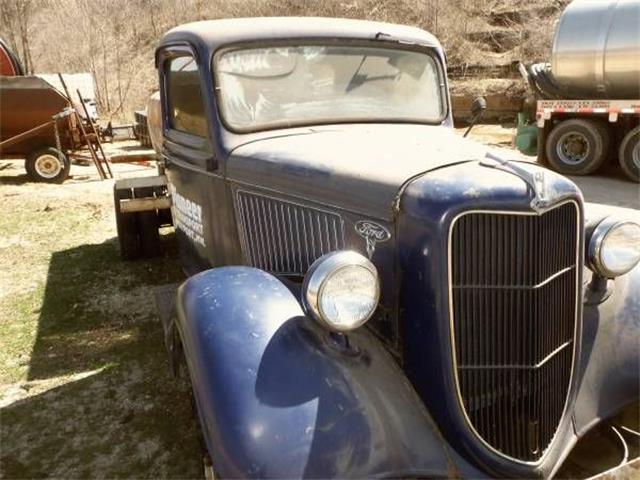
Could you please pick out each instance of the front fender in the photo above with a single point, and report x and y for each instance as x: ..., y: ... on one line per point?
x: 610, y: 361
x: 277, y: 398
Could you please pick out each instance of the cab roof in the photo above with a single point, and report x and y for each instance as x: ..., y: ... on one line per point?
x: 209, y: 35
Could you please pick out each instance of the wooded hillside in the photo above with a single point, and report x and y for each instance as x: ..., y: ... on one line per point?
x: 115, y: 39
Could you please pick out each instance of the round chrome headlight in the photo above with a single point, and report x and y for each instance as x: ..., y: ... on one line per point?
x: 341, y: 290
x: 614, y: 247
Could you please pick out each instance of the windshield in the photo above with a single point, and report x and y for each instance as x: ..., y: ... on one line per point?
x: 304, y: 85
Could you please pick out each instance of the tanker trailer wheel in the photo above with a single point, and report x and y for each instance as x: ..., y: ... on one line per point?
x: 577, y: 147
x: 48, y: 165
x: 629, y: 154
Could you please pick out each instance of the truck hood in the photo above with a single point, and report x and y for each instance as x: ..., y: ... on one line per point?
x: 359, y: 168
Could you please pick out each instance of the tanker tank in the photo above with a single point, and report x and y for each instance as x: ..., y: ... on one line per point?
x: 596, y: 51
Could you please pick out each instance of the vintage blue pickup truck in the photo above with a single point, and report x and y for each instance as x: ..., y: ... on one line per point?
x: 370, y: 294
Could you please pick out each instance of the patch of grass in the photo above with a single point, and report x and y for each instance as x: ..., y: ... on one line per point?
x: 17, y: 333
x: 85, y: 387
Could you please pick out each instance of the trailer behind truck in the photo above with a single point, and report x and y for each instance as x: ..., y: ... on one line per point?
x: 588, y: 96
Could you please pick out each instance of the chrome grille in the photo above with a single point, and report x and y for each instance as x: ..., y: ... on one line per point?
x: 283, y: 237
x: 513, y: 299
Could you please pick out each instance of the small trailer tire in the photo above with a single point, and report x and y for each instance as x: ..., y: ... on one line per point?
x: 48, y: 165
x: 577, y: 146
x: 127, y: 227
x: 629, y: 154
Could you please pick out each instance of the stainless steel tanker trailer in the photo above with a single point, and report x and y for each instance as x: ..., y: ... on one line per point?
x: 588, y: 96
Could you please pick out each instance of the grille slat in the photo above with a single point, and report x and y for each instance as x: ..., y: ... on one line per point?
x: 514, y: 311
x: 283, y: 237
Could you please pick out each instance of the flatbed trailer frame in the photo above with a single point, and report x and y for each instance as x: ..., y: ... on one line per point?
x: 613, y: 110
x: 615, y: 122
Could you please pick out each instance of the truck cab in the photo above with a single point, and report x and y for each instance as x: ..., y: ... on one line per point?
x: 370, y: 294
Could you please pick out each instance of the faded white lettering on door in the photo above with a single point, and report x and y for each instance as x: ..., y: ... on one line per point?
x: 187, y: 217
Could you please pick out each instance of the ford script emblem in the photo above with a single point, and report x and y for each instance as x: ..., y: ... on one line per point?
x: 373, y: 233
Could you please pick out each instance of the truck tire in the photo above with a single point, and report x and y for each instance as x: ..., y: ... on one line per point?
x: 149, y: 234
x: 180, y: 370
x: 209, y: 472
x: 165, y: 217
x: 577, y: 147
x: 629, y: 154
x: 47, y: 165
x: 148, y: 227
x: 127, y: 226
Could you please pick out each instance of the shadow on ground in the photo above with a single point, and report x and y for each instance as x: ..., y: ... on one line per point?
x: 23, y: 178
x: 605, y: 447
x: 105, y: 404
x: 15, y: 179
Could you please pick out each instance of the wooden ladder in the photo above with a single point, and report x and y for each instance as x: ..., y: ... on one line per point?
x: 91, y: 138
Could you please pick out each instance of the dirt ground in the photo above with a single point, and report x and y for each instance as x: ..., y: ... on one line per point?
x: 85, y: 389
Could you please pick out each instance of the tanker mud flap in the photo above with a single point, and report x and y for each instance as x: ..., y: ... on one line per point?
x: 278, y: 397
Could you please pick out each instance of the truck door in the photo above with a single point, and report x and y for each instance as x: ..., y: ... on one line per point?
x: 195, y: 182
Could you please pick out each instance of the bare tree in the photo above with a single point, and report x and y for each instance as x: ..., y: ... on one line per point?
x: 16, y: 19
x: 115, y: 40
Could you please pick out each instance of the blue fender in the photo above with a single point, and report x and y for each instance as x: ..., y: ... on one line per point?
x: 278, y: 397
x: 610, y: 359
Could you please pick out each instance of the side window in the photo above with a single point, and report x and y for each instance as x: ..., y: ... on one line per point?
x: 186, y: 107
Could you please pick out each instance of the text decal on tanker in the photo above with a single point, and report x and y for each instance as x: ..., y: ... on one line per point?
x: 187, y: 217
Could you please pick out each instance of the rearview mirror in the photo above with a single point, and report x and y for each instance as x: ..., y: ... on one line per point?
x: 478, y: 107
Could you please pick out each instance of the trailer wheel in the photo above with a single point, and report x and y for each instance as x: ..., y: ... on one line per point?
x: 127, y: 226
x: 629, y: 154
x: 48, y: 165
x: 577, y: 147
